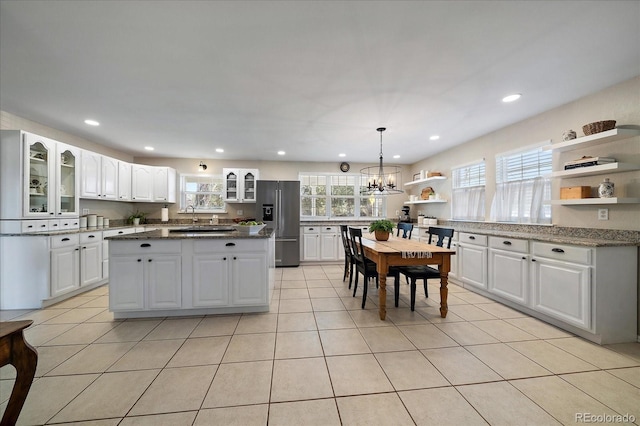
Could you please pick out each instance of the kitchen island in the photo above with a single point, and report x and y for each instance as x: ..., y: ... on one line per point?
x: 190, y: 271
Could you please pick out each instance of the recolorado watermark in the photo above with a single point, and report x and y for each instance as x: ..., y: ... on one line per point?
x: 604, y: 418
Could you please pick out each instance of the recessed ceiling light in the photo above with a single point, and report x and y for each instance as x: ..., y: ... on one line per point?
x: 396, y: 156
x: 342, y: 155
x: 91, y: 122
x: 149, y: 148
x: 511, y: 98
x: 434, y: 137
x: 219, y: 150
x: 281, y: 152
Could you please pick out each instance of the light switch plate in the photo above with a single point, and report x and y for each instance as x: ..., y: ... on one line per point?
x: 603, y: 214
x: 239, y: 212
x: 85, y: 211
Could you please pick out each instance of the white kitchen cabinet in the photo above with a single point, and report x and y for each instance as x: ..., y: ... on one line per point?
x: 99, y: 176
x: 90, y: 258
x: 329, y: 242
x: 39, y: 174
x: 248, y: 283
x: 210, y: 276
x: 164, y: 184
x: 472, y: 252
x: 67, y: 189
x: 561, y: 282
x: 145, y: 275
x: 124, y: 181
x: 65, y: 264
x: 509, y: 268
x: 141, y: 183
x: 454, y: 272
x: 321, y: 243
x: 240, y: 184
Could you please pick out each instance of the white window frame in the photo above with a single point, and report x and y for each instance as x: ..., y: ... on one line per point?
x: 183, y: 193
x: 523, y: 185
x: 358, y: 184
x: 468, y: 191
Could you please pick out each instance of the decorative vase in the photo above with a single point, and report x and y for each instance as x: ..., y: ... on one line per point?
x: 605, y: 190
x: 381, y: 235
x: 136, y: 221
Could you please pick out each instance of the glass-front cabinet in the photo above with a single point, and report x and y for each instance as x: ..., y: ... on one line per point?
x: 51, y: 178
x: 240, y: 185
x: 39, y: 171
x: 67, y: 173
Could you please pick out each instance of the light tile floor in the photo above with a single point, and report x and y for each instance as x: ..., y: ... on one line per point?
x: 318, y: 359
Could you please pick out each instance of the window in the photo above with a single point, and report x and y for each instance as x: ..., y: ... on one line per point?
x: 467, y: 195
x: 523, y: 193
x: 204, y: 192
x: 328, y: 195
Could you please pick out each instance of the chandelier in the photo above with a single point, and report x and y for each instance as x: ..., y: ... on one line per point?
x: 381, y: 179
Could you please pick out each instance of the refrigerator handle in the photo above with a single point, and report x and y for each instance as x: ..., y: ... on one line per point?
x: 279, y: 225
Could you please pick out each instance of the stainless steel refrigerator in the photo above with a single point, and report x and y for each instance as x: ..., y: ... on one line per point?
x: 278, y: 205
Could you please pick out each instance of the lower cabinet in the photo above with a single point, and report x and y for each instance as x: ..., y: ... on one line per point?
x: 210, y: 280
x: 65, y: 269
x: 145, y: 275
x: 90, y: 263
x: 248, y: 280
x: 589, y: 291
x: 509, y: 268
x: 472, y: 262
x: 321, y: 243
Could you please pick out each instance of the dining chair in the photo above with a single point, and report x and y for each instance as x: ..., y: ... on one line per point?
x: 348, y: 254
x: 424, y: 272
x: 406, y: 228
x: 367, y: 268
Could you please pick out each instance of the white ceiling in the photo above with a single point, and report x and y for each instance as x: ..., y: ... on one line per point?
x: 311, y: 78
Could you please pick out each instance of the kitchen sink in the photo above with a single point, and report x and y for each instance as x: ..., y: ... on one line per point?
x: 203, y: 229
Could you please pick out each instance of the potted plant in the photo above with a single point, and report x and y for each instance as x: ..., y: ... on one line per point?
x: 137, y: 217
x: 382, y: 228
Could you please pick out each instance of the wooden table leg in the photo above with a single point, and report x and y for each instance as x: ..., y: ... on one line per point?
x: 382, y: 291
x: 444, y: 293
x: 16, y: 351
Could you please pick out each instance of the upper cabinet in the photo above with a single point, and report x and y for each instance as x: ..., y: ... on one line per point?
x: 38, y: 177
x: 124, y: 181
x: 164, y: 184
x: 240, y: 185
x: 151, y: 183
x: 99, y: 176
x: 602, y: 169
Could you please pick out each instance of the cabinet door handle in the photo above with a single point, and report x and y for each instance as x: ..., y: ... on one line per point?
x: 471, y: 237
x: 557, y: 250
x: 91, y: 236
x: 30, y: 226
x: 524, y: 258
x: 224, y: 258
x: 235, y: 258
x: 59, y: 213
x: 145, y: 245
x: 120, y: 232
x: 506, y: 243
x: 230, y: 244
x: 51, y: 213
x: 43, y: 226
x: 533, y: 260
x: 310, y: 229
x: 149, y: 260
x: 77, y: 250
x: 83, y: 248
x: 65, y: 239
x: 55, y: 224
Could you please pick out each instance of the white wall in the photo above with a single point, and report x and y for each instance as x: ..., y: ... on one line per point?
x: 620, y: 102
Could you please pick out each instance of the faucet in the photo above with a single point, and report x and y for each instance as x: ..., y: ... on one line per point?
x: 194, y: 219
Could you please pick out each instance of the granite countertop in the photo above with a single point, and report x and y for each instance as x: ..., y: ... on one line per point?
x: 165, y: 234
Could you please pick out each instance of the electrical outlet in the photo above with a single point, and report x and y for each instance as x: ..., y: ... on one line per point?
x: 85, y: 211
x: 239, y: 212
x: 603, y: 214
x: 397, y: 212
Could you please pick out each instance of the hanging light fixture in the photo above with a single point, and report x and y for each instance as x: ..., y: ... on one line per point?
x: 381, y: 179
x: 202, y: 167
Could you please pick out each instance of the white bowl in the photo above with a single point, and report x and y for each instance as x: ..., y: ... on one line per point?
x: 250, y: 229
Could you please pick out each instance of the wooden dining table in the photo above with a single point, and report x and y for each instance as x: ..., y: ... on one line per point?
x: 406, y: 252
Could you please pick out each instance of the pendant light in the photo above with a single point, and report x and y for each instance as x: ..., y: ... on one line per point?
x: 381, y: 179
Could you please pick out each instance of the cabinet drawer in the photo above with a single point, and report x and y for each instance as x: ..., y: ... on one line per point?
x: 311, y: 229
x: 479, y: 240
x: 35, y: 225
x: 329, y: 229
x: 563, y: 252
x: 60, y: 241
x: 230, y: 245
x: 54, y: 225
x: 90, y: 237
x: 144, y: 247
x: 509, y: 244
x: 71, y: 223
x: 114, y: 232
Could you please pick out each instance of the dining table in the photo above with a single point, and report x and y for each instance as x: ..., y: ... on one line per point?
x: 406, y: 252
